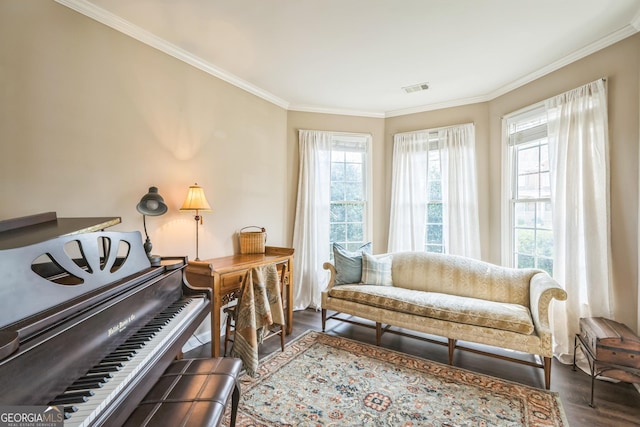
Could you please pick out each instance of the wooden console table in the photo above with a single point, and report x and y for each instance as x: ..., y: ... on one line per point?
x: 225, y: 276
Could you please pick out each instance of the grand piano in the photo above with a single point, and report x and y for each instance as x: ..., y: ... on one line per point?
x: 86, y: 323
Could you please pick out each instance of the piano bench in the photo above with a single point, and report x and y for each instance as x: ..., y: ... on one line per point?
x: 191, y: 392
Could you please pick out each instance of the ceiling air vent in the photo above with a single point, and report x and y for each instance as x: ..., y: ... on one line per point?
x: 416, y: 88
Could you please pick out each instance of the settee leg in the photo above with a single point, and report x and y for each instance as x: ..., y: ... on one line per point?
x: 378, y: 333
x: 547, y: 373
x: 324, y: 318
x: 452, y: 347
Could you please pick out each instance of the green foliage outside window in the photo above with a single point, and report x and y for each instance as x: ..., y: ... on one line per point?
x: 347, y: 210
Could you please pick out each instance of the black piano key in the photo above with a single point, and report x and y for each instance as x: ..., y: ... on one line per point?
x: 72, y: 397
x: 122, y: 353
x: 101, y: 369
x: 159, y: 324
x: 146, y: 334
x: 89, y: 381
x: 86, y: 393
x: 109, y: 363
x: 117, y: 358
x: 141, y: 340
x: 68, y: 410
x: 66, y: 400
x: 85, y: 386
x: 95, y: 376
x: 136, y: 346
x: 151, y: 332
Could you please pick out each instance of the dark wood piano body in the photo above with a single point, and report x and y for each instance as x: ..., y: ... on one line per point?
x: 67, y: 303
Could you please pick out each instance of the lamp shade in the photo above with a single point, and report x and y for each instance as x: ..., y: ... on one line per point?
x: 195, y: 200
x: 152, y: 203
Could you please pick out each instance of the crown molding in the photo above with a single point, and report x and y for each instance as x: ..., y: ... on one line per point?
x: 438, y: 106
x: 600, y: 44
x: 341, y: 112
x: 109, y: 19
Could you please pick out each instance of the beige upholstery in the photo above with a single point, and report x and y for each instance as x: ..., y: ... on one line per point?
x: 458, y: 298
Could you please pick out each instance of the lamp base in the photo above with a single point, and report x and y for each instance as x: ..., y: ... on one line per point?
x: 154, y: 260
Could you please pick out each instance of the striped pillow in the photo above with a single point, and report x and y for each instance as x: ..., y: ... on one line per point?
x: 376, y: 270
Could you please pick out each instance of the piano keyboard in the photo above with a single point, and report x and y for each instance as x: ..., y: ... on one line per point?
x: 88, y: 396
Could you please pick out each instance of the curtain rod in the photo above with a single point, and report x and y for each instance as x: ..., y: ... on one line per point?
x: 540, y: 103
x: 435, y: 129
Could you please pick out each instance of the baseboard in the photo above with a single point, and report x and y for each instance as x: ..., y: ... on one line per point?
x: 196, y: 341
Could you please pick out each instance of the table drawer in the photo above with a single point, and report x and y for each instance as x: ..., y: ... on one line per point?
x: 232, y: 281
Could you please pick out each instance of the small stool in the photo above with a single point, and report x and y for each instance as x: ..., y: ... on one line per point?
x: 191, y: 392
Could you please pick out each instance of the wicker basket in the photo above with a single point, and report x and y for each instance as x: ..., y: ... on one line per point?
x: 252, y: 242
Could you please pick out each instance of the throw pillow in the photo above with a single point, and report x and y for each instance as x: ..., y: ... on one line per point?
x: 377, y: 270
x: 349, y: 264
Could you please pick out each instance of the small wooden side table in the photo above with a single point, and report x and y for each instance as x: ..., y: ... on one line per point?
x: 598, y: 367
x: 225, y: 276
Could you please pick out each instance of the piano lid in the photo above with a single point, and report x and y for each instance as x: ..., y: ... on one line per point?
x: 27, y: 230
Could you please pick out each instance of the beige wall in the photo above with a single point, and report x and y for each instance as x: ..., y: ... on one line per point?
x: 90, y: 118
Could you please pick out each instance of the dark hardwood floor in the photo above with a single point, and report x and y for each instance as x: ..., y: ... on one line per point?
x: 616, y: 404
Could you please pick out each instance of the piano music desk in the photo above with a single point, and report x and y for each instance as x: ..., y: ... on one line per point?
x: 225, y: 276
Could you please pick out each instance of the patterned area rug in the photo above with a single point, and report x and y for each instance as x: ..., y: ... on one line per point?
x: 323, y: 380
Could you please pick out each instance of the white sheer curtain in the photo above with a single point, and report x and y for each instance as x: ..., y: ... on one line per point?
x: 409, y: 191
x: 461, y: 223
x: 578, y: 156
x: 409, y: 194
x: 311, y: 228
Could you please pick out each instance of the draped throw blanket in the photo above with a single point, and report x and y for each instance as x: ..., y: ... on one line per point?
x: 259, y: 308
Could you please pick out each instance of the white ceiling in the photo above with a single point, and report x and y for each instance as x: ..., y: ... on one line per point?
x: 354, y: 56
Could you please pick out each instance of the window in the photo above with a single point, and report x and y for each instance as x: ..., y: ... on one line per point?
x: 434, y: 204
x: 531, y: 232
x: 434, y: 240
x: 349, y: 191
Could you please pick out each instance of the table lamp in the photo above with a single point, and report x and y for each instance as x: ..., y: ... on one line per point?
x: 151, y: 204
x: 196, y: 201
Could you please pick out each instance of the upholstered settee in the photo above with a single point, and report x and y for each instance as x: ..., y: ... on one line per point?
x: 450, y: 296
